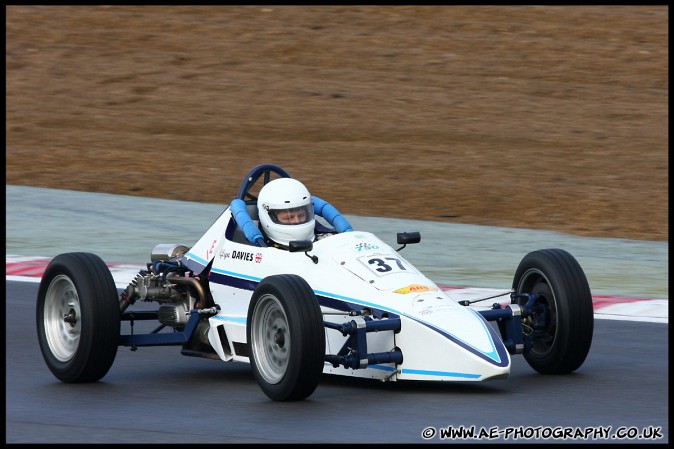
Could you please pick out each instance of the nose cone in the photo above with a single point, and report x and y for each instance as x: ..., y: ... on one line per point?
x: 443, y: 340
x: 457, y: 322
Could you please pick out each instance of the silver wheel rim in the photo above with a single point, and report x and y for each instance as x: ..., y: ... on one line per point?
x: 62, y: 318
x: 271, y: 339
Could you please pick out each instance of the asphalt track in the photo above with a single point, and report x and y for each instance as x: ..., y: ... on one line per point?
x: 156, y: 395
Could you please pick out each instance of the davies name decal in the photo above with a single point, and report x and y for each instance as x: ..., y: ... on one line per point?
x: 241, y: 255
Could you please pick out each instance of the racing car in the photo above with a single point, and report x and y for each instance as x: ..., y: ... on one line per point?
x: 346, y: 304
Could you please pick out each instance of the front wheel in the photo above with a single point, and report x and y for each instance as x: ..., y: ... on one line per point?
x: 78, y: 317
x: 286, y: 337
x: 560, y: 326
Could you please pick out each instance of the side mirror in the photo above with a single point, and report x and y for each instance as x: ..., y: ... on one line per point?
x: 405, y: 238
x: 300, y: 245
x: 408, y: 237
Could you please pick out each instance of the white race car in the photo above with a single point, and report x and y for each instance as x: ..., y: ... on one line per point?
x: 346, y: 304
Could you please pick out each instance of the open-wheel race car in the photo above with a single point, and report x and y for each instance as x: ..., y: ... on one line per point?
x: 342, y: 303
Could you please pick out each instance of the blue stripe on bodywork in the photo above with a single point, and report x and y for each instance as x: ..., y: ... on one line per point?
x: 194, y: 263
x: 382, y: 367
x: 492, y: 332
x: 231, y: 319
x: 497, y: 355
x: 440, y: 373
x: 233, y: 279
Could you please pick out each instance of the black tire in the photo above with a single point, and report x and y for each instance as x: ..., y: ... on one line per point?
x: 563, y: 315
x: 78, y: 317
x: 286, y: 337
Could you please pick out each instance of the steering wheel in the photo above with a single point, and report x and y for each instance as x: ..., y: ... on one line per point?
x: 264, y: 170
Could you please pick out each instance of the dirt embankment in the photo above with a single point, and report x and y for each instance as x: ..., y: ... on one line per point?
x: 537, y: 117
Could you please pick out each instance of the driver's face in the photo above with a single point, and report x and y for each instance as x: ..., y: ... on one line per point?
x: 292, y: 216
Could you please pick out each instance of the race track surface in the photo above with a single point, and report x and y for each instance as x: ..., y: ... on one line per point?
x: 156, y: 395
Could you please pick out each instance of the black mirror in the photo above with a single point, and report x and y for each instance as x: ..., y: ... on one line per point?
x: 405, y: 238
x: 300, y: 245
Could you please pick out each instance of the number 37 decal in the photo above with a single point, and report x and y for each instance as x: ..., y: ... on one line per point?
x: 383, y: 264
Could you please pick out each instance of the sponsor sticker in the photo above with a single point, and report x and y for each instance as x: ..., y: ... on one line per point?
x: 365, y: 246
x: 415, y: 288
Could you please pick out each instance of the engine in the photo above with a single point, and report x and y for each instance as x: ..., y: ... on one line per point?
x: 176, y: 301
x: 167, y: 282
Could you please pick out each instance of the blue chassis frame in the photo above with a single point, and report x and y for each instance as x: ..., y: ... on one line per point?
x: 354, y: 351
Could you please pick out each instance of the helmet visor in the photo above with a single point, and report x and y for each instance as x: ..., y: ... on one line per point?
x: 292, y: 216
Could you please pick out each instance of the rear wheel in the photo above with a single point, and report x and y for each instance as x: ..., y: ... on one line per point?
x: 286, y: 337
x: 561, y: 323
x: 78, y: 317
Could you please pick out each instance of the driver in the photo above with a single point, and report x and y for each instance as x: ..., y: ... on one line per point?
x: 297, y: 215
x: 286, y: 212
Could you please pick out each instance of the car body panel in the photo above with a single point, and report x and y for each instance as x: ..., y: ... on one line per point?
x: 440, y: 339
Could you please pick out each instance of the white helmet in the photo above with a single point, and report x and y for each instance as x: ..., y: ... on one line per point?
x: 286, y: 211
